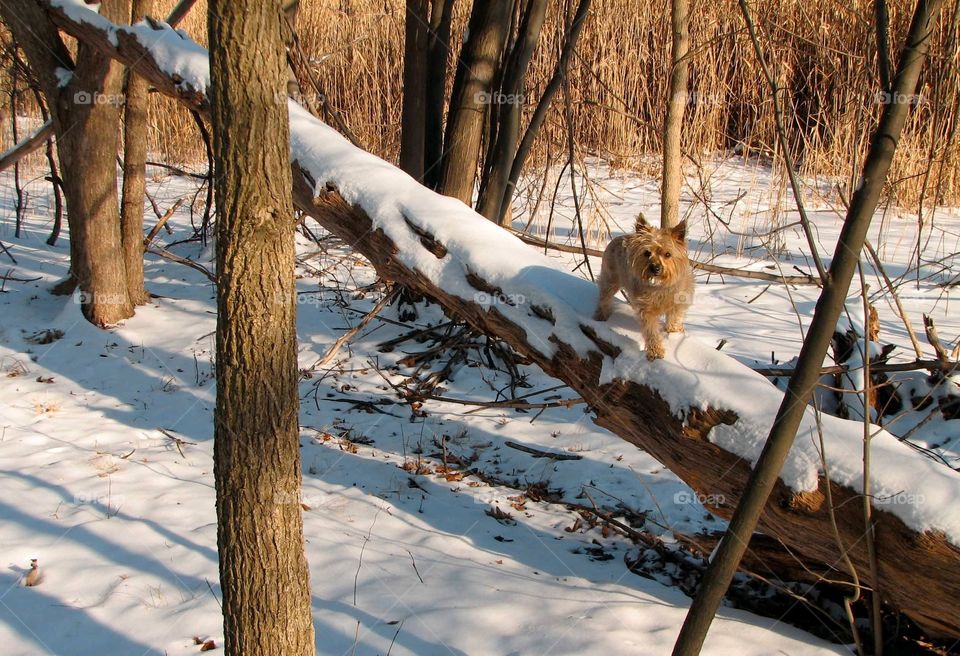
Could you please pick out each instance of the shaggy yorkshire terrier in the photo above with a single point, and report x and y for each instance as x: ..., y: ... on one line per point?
x: 652, y: 269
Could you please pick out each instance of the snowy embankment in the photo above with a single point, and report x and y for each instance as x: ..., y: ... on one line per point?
x: 106, y: 441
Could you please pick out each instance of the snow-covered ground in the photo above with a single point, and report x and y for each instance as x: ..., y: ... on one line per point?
x: 106, y: 459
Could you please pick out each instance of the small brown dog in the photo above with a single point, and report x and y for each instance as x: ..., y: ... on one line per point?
x: 652, y: 269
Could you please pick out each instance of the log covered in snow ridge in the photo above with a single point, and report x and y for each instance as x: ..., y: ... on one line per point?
x: 699, y: 412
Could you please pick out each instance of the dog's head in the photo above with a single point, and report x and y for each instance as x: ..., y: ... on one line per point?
x: 658, y: 256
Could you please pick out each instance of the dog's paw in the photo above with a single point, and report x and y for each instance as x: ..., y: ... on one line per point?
x: 655, y: 352
x: 674, y: 326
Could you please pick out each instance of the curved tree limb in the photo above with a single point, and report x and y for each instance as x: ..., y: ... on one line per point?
x: 27, y: 146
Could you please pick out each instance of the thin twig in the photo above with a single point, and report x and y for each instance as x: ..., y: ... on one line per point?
x: 350, y: 334
x: 167, y: 255
x: 896, y: 298
x: 160, y: 223
x: 888, y: 367
x: 869, y: 533
x: 414, y: 563
x: 537, y: 453
x: 7, y: 252
x: 512, y: 403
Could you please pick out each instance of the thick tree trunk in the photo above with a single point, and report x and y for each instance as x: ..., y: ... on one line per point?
x: 920, y: 570
x: 86, y: 114
x: 263, y: 569
x: 673, y: 124
x: 413, y: 117
x: 134, y: 171
x: 88, y: 147
x: 472, y: 95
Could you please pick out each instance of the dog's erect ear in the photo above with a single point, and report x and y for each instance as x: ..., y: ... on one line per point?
x: 679, y: 231
x: 641, y: 225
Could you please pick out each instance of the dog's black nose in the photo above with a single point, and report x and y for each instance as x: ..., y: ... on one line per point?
x: 655, y: 269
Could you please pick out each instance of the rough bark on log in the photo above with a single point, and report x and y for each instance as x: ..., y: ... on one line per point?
x: 920, y: 571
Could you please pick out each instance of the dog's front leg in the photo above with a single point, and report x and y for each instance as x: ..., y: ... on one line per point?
x: 675, y: 319
x: 650, y: 329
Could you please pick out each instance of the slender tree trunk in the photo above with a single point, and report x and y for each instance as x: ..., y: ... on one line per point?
x: 263, y: 569
x: 180, y: 11
x: 676, y: 104
x: 14, y: 77
x: 543, y: 105
x: 134, y: 171
x: 413, y: 118
x: 86, y: 116
x: 505, y: 147
x: 438, y: 56
x: 862, y: 206
x: 487, y: 31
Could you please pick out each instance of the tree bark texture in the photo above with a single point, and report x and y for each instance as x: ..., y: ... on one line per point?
x: 263, y: 569
x: 504, y: 148
x: 413, y: 112
x: 472, y: 95
x: 438, y: 58
x: 543, y: 105
x: 676, y: 105
x: 134, y: 171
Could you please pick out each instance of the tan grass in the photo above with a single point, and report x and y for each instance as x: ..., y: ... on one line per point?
x: 822, y: 54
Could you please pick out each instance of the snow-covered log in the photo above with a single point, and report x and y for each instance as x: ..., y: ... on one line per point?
x: 699, y: 412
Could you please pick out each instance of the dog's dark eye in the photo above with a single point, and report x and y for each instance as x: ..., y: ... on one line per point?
x: 667, y: 256
x: 646, y: 253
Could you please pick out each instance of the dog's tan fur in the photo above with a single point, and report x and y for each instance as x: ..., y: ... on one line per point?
x: 652, y: 269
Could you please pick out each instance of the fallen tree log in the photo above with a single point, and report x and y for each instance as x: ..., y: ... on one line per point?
x: 699, y: 412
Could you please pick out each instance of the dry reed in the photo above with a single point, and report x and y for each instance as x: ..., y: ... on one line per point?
x: 822, y: 54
